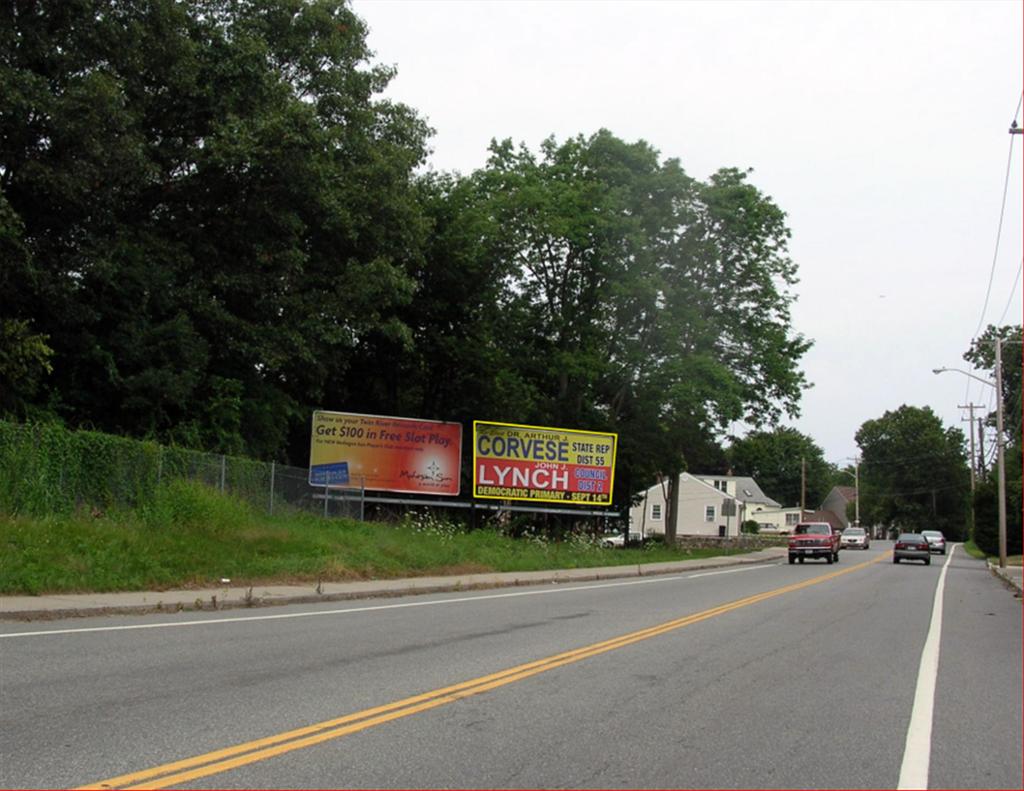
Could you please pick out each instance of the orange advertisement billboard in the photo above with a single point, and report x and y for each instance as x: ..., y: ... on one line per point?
x: 389, y: 454
x: 538, y: 463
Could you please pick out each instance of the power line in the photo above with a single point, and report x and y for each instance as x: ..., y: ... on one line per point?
x: 898, y: 460
x: 1013, y: 292
x: 928, y: 490
x: 998, y: 232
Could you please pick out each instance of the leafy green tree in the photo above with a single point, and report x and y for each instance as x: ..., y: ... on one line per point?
x: 913, y: 473
x: 775, y: 460
x: 639, y: 300
x: 986, y: 499
x: 216, y: 209
x: 24, y: 363
x: 215, y: 226
x: 982, y: 356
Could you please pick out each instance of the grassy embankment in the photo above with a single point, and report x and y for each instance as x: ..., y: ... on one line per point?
x: 191, y: 536
x: 972, y: 549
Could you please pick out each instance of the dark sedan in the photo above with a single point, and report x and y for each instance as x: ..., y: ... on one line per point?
x: 912, y: 546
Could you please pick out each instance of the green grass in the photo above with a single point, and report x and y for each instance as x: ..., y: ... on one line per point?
x: 972, y: 549
x: 190, y: 536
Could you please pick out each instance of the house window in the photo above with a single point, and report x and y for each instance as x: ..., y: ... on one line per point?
x: 721, y: 485
x: 792, y: 519
x: 655, y: 510
x: 709, y: 513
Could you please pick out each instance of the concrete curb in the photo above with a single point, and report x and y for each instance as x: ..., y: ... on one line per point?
x: 1011, y: 575
x: 53, y: 607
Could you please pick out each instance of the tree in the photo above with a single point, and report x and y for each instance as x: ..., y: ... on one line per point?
x: 986, y: 503
x: 913, y: 473
x: 774, y: 459
x: 218, y: 228
x: 216, y: 209
x: 637, y: 299
x: 982, y: 355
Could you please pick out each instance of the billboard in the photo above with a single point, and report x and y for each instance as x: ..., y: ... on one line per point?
x: 514, y: 462
x: 388, y: 454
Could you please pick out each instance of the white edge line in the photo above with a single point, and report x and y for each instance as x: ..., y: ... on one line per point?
x: 376, y: 607
x: 918, y: 747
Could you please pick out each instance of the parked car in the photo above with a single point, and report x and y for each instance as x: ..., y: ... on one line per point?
x: 613, y: 540
x: 936, y: 541
x: 854, y: 537
x: 911, y: 546
x: 814, y: 540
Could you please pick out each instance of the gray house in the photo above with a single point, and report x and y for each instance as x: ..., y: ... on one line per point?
x: 837, y: 501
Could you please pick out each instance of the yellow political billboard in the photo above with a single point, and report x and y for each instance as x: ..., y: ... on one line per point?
x: 391, y: 454
x: 541, y: 464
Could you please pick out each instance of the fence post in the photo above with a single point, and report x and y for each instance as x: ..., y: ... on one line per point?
x: 272, y: 488
x: 223, y: 471
x: 362, y: 499
x: 327, y: 491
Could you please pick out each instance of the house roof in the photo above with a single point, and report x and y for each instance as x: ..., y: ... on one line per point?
x: 747, y: 489
x: 848, y: 493
x: 823, y: 516
x: 702, y: 482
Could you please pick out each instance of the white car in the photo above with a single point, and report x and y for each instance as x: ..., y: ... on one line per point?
x: 613, y: 540
x: 854, y: 538
x: 936, y: 541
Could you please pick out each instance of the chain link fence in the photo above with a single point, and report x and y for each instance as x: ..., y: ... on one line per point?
x: 48, y: 469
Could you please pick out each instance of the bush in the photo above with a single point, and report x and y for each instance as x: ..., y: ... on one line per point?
x: 750, y: 526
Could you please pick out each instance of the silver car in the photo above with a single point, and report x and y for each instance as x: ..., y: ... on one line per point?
x: 854, y: 538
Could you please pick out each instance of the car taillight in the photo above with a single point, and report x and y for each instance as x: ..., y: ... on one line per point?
x: 900, y: 545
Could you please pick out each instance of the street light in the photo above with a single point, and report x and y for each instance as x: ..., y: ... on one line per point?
x: 998, y: 385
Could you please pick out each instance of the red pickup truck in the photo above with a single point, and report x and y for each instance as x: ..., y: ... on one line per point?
x: 814, y: 540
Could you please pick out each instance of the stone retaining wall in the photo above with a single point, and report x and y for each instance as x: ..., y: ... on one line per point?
x: 747, y: 541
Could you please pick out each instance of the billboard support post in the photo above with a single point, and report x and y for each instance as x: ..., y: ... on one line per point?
x: 272, y: 488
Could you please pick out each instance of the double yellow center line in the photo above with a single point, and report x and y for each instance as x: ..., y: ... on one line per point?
x: 218, y: 761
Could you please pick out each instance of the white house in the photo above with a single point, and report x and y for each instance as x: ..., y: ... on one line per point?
x: 709, y: 505
x: 775, y: 520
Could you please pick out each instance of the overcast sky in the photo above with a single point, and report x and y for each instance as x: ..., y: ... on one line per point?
x: 880, y: 128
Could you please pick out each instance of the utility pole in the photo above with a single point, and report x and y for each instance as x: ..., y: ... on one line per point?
x: 803, y: 487
x: 856, y: 491
x: 1000, y: 442
x: 1000, y: 438
x: 981, y: 447
x: 974, y: 459
x: 970, y: 421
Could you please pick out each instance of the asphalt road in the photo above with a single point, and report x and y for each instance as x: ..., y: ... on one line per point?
x: 772, y: 676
